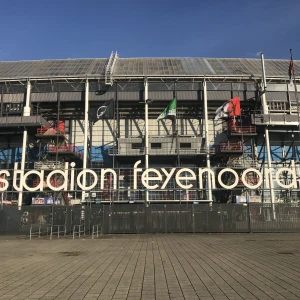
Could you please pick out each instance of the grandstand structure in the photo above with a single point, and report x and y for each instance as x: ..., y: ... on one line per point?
x: 46, y: 122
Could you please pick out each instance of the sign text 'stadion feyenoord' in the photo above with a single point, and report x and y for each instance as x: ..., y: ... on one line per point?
x: 149, y: 178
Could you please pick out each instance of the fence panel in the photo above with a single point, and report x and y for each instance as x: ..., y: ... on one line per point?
x: 155, y: 218
x: 124, y: 218
x: 263, y: 218
x: 10, y: 221
x: 289, y: 217
x: 235, y: 217
x: 172, y: 218
x: 59, y: 215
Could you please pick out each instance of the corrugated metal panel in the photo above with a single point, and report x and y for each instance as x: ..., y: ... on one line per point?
x: 293, y: 96
x: 148, y: 66
x: 144, y: 66
x: 161, y: 95
x: 277, y: 87
x: 187, y: 95
x: 291, y: 118
x: 277, y: 118
x: 241, y: 94
x: 43, y: 97
x: 251, y: 95
x: 219, y: 86
x: 71, y: 96
x: 20, y: 120
x: 52, y: 68
x: 98, y: 67
x: 105, y: 97
x: 128, y: 96
x: 216, y: 66
x: 194, y: 66
x: 218, y: 95
x: 276, y: 96
x: 13, y: 98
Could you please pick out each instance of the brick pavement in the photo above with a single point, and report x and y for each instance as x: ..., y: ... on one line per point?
x: 181, y: 266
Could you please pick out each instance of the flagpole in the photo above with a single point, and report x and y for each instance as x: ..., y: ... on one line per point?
x: 85, y: 141
x: 267, y: 138
x: 114, y: 141
x: 210, y: 196
x: 176, y: 126
x: 146, y: 136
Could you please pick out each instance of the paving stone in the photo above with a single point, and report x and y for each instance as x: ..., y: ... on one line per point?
x: 229, y: 266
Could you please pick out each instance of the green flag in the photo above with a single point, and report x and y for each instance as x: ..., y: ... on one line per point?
x: 169, y: 111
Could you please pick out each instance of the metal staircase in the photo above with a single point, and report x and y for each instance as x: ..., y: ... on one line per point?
x: 110, y: 68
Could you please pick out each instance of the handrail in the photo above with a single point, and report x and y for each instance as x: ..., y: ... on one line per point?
x: 58, y: 230
x: 79, y: 230
x: 39, y: 232
x: 95, y: 231
x: 242, y: 129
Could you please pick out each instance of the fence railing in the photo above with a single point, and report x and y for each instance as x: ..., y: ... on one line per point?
x: 155, y: 218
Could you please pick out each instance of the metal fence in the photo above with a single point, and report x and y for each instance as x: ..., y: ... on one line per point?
x: 155, y: 218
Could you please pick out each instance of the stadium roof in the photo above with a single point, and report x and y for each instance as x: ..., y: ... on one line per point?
x: 131, y: 67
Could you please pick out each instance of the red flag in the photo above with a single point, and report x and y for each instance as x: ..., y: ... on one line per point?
x: 230, y: 108
x: 234, y: 107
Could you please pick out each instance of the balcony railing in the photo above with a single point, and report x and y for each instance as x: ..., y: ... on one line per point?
x: 228, y: 146
x: 65, y: 149
x: 141, y: 151
x: 242, y: 164
x: 242, y: 130
x: 49, y: 131
x: 48, y: 165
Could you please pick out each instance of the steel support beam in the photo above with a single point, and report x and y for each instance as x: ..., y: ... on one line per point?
x: 85, y: 141
x: 146, y: 135
x: 207, y: 140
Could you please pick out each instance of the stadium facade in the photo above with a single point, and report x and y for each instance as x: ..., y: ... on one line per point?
x: 76, y: 123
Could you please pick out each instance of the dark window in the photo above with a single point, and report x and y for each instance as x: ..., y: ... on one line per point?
x: 136, y: 145
x: 155, y: 145
x: 185, y: 145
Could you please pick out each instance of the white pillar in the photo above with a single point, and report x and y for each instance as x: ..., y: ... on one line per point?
x: 207, y: 140
x: 146, y: 135
x: 266, y: 111
x: 26, y: 113
x: 86, y: 124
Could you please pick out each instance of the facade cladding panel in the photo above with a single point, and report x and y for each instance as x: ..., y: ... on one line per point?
x: 44, y: 97
x: 117, y: 140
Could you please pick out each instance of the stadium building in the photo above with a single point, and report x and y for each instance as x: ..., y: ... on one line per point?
x: 61, y: 117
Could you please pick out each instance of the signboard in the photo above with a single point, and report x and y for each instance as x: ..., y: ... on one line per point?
x: 49, y: 201
x: 46, y: 201
x: 240, y: 199
x: 38, y: 201
x: 255, y: 199
x: 151, y: 178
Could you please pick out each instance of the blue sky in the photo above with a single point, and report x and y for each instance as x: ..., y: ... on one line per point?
x: 38, y: 29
